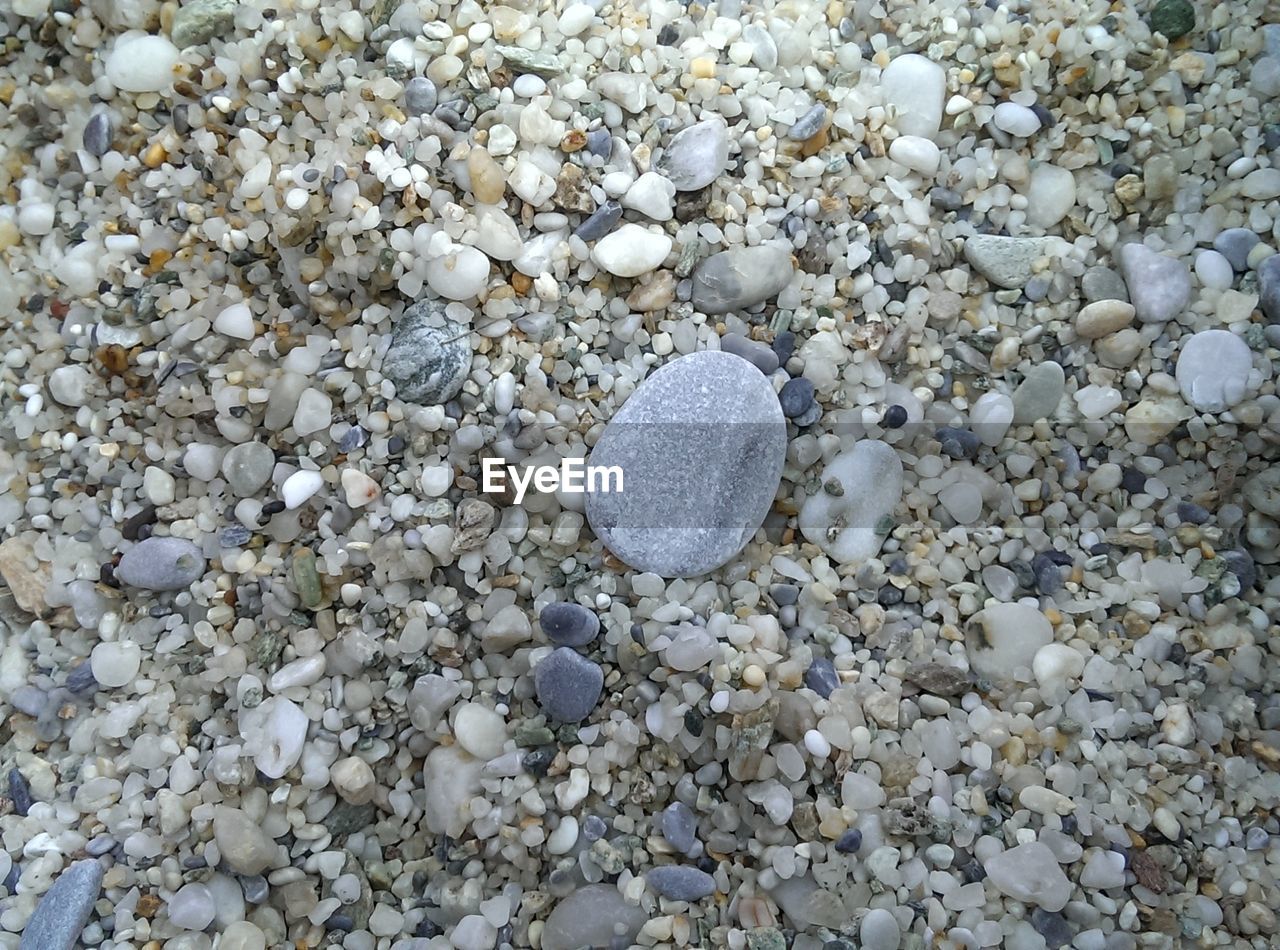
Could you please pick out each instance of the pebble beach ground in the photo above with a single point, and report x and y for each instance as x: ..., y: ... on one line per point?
x: 938, y: 343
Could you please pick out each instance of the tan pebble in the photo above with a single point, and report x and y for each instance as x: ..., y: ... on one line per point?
x: 702, y: 68
x: 1129, y: 188
x: 1102, y: 317
x: 487, y: 179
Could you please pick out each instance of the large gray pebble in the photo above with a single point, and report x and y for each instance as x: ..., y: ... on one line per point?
x: 701, y: 444
x: 430, y: 355
x: 696, y: 155
x: 161, y: 564
x: 64, y: 909
x: 741, y: 277
x: 568, y: 685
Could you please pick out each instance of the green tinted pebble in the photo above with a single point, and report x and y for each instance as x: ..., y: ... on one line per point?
x: 1173, y: 18
x: 306, y: 578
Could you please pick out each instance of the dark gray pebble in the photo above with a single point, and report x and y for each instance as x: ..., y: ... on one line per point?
x: 97, y: 134
x: 600, y: 222
x: 758, y: 354
x: 958, y: 443
x: 796, y: 397
x: 420, y: 95
x: 19, y: 792
x: 679, y: 883
x: 569, y: 624
x: 784, y: 344
x: 849, y: 842
x: 821, y: 676
x: 679, y: 826
x: 1240, y: 563
x: 784, y: 595
x: 1235, y: 244
x: 430, y: 355
x: 80, y: 679
x: 568, y: 685
x: 65, y: 908
x: 1191, y: 513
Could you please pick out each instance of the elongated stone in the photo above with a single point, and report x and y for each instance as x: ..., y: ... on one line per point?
x: 161, y: 564
x: 741, y: 277
x: 64, y: 909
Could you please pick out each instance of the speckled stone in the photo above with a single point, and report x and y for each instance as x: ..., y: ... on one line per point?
x: 64, y: 909
x: 741, y: 277
x: 430, y: 355
x: 701, y: 444
x: 1005, y: 261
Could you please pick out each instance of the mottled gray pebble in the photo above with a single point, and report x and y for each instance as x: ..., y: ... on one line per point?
x: 430, y: 355
x: 1103, y: 283
x: 161, y: 564
x: 201, y: 20
x: 796, y: 397
x: 821, y: 676
x: 420, y: 95
x: 1269, y: 287
x: 741, y: 277
x: 569, y: 624
x: 1235, y: 244
x: 568, y: 685
x: 679, y: 883
x: 809, y: 124
x: 600, y: 222
x: 64, y: 909
x: 247, y: 467
x: 696, y: 155
x: 97, y: 134
x: 679, y: 826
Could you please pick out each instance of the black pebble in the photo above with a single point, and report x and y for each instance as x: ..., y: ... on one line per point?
x: 341, y: 922
x: 1024, y: 573
x: 19, y: 792
x: 1133, y: 481
x: 1191, y: 513
x: 1053, y: 927
x: 784, y: 344
x: 895, y: 417
x: 796, y: 397
x: 849, y: 842
x: 1177, y: 653
x: 821, y: 676
x: 973, y: 871
x: 958, y: 443
x: 668, y: 35
x: 537, y: 761
x: 888, y: 596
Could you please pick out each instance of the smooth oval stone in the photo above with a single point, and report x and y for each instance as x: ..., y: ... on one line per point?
x: 1235, y: 244
x: 860, y: 489
x: 161, y: 564
x: 593, y: 916
x: 678, y: 883
x: 142, y: 64
x: 696, y: 155
x: 568, y: 685
x: 679, y: 826
x: 420, y: 95
x: 916, y: 87
x: 97, y: 134
x: 247, y: 467
x: 741, y: 277
x: 64, y: 909
x: 1213, y: 370
x: 1159, y: 285
x: 701, y: 444
x: 1003, y: 638
x: 1039, y: 393
x: 430, y: 355
x: 569, y: 625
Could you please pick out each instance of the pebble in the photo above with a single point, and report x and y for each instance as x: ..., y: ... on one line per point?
x: 631, y: 250
x: 1261, y: 185
x: 64, y: 909
x: 1039, y: 393
x: 860, y: 489
x: 1213, y: 370
x: 679, y: 826
x: 915, y: 87
x: 1214, y: 270
x: 696, y: 156
x: 192, y: 907
x: 1269, y: 287
x: 429, y: 357
x: 758, y: 354
x: 991, y: 416
x: 1103, y: 870
x: 1005, y: 261
x: 596, y: 915
x: 1235, y: 244
x: 1174, y: 18
x: 1159, y: 286
x: 701, y: 443
x: 299, y: 487
x: 568, y: 685
x: 161, y: 564
x: 568, y: 624
x: 651, y: 195
x: 461, y: 272
x: 420, y: 96
x: 97, y: 134
x: 1030, y: 873
x: 600, y: 222
x: 450, y: 777
x: 916, y: 153
x: 247, y: 467
x: 809, y: 124
x: 235, y: 321
x: 741, y: 277
x: 1102, y: 317
x: 1016, y: 120
x: 796, y: 396
x: 115, y: 664
x: 963, y: 501
x: 1103, y: 283
x: 198, y: 22
x: 142, y: 64
x: 680, y: 883
x: 69, y: 385
x: 1004, y: 638
x: 1051, y: 194
x: 879, y: 930
x: 479, y: 730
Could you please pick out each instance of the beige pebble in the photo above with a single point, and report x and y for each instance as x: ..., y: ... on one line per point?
x: 1102, y: 317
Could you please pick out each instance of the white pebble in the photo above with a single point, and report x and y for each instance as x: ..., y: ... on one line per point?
x: 235, y: 321
x: 300, y: 486
x: 116, y: 664
x: 817, y: 744
x: 1016, y: 120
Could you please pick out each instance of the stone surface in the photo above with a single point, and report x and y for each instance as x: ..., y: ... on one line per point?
x: 142, y: 64
x: 1103, y: 283
x: 64, y: 909
x: 451, y: 776
x: 1005, y: 261
x: 631, y: 250
x: 430, y: 355
x: 1030, y: 873
x: 568, y: 624
x: 1102, y: 317
x: 696, y: 155
x: 915, y: 86
x: 596, y: 915
x: 701, y: 445
x: 244, y: 846
x: 1159, y: 285
x: 1235, y: 244
x: 680, y: 883
x: 1016, y: 119
x: 1269, y: 287
x: 741, y: 277
x: 247, y: 467
x: 420, y: 95
x: 1004, y: 638
x: 1213, y: 370
x: 848, y: 516
x: 1039, y: 393
x: 568, y: 685
x: 679, y: 826
x: 201, y: 20
x: 1051, y: 193
x: 161, y: 564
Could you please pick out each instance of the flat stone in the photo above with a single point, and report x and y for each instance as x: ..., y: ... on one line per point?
x: 569, y: 624
x: 701, y: 444
x: 679, y: 883
x: 695, y: 156
x: 1213, y: 370
x: 539, y: 62
x: 1235, y: 244
x: 451, y: 776
x: 849, y: 517
x: 1038, y: 394
x: 1103, y: 283
x: 568, y: 685
x: 593, y: 916
x: 64, y: 909
x: 741, y: 277
x: 247, y: 467
x: 202, y: 20
x: 430, y: 355
x: 161, y: 564
x: 1005, y: 261
x: 1101, y: 317
x: 1159, y: 285
x: 1004, y: 638
x: 1030, y: 873
x: 915, y: 86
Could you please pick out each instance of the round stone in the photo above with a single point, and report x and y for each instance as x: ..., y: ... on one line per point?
x: 247, y: 467
x: 430, y: 355
x: 701, y: 445
x: 115, y: 664
x: 569, y: 624
x: 420, y: 95
x: 568, y: 685
x: 161, y: 564
x: 1213, y: 370
x: 796, y: 396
